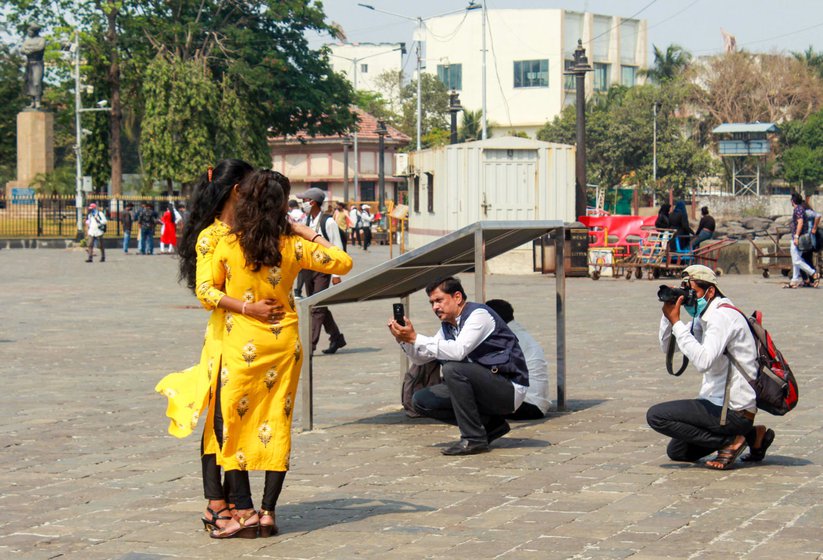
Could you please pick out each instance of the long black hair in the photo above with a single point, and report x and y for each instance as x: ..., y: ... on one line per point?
x: 261, y: 217
x: 208, y: 198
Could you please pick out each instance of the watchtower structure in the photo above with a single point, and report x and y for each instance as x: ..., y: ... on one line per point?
x: 747, y: 145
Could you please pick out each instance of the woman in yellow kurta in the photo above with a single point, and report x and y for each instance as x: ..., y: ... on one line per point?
x: 261, y: 363
x: 191, y: 392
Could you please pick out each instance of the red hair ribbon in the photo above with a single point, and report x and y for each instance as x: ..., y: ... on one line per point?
x: 210, y: 172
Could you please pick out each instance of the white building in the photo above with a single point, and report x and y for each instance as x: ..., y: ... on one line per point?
x: 527, y: 51
x: 504, y: 178
x: 362, y: 63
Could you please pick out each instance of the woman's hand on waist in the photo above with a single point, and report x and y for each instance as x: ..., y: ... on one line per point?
x: 266, y: 311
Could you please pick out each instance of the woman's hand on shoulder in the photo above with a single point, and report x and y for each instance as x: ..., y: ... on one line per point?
x: 266, y: 311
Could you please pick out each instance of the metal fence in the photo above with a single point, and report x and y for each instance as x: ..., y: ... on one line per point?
x: 55, y: 216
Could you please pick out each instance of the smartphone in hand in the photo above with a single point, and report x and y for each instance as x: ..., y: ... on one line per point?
x: 398, y: 311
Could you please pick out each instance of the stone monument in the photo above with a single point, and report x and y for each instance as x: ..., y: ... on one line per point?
x: 35, y: 127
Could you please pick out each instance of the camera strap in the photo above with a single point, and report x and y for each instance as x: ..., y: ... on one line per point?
x: 670, y: 358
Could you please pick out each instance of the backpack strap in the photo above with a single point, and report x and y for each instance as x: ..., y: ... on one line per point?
x: 736, y: 364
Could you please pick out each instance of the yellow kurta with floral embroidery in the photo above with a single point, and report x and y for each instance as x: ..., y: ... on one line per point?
x: 261, y: 363
x: 191, y: 391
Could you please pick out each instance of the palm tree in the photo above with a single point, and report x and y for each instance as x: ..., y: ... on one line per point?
x: 668, y: 65
x: 471, y: 126
x: 812, y: 59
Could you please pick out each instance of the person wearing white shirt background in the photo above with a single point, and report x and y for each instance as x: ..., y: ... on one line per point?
x: 537, y: 402
x: 716, y: 332
x: 95, y: 228
x: 366, y: 218
x: 326, y: 227
x: 354, y: 216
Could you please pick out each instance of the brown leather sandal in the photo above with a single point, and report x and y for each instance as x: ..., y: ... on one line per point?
x: 243, y: 531
x: 267, y: 530
x: 726, y: 458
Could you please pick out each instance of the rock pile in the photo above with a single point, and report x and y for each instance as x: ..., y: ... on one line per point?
x: 750, y: 226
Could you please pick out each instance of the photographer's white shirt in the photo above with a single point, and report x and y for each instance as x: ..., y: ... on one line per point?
x: 718, y: 329
x: 93, y: 221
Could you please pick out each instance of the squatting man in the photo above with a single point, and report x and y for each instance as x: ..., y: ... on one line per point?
x: 716, y: 331
x: 483, y: 367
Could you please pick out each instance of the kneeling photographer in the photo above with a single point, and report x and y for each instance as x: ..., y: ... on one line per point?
x: 695, y: 425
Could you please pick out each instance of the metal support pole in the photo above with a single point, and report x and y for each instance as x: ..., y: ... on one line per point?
x: 419, y: 71
x: 479, y: 267
x: 654, y: 157
x: 560, y: 306
x: 354, y: 138
x: 346, y: 171
x: 78, y: 147
x: 483, y: 119
x: 381, y: 165
x: 306, y: 374
x: 580, y: 161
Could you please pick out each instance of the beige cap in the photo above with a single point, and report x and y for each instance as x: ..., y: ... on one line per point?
x: 701, y: 273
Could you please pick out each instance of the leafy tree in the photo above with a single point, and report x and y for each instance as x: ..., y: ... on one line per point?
x: 180, y: 105
x: 668, y: 65
x: 375, y: 104
x: 12, y: 101
x: 471, y: 127
x: 434, y: 107
x: 804, y: 165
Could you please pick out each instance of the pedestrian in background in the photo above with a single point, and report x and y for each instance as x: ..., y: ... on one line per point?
x: 356, y: 224
x: 168, y: 232
x: 366, y: 219
x: 341, y: 218
x: 126, y: 222
x: 147, y: 218
x: 95, y: 228
x: 705, y: 229
x: 799, y: 222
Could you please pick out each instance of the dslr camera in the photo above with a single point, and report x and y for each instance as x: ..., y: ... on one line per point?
x: 669, y: 294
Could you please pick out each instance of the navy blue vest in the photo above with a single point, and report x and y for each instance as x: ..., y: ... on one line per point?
x: 500, y: 351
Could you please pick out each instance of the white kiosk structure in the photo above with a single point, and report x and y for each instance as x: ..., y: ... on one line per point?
x: 747, y: 145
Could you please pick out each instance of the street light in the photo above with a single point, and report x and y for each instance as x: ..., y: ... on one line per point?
x: 381, y: 166
x: 454, y: 108
x: 78, y: 147
x: 655, y: 108
x: 346, y: 145
x: 420, y: 26
x: 578, y: 70
x: 483, y: 120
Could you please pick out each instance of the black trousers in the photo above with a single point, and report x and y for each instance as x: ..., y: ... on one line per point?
x: 344, y: 237
x: 694, y: 426
x: 99, y: 242
x: 321, y: 317
x: 471, y: 397
x: 237, y: 490
x: 355, y: 236
x: 366, y: 237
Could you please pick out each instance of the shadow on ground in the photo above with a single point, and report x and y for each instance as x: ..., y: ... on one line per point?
x: 311, y: 516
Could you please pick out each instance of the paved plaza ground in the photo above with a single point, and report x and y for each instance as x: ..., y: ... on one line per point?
x: 89, y: 472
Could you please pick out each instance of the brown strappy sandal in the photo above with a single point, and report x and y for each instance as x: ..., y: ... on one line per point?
x: 243, y: 531
x: 726, y: 458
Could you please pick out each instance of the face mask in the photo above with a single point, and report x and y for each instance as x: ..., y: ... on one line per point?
x: 306, y: 207
x: 699, y: 307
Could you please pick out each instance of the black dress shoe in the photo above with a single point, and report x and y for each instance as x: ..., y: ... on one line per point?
x: 498, y: 432
x: 466, y: 447
x: 336, y: 345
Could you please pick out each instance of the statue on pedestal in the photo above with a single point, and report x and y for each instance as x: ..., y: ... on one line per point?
x: 34, y: 47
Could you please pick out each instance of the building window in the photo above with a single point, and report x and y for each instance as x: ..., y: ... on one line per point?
x: 572, y: 31
x: 367, y: 191
x: 628, y: 75
x: 324, y: 186
x: 364, y: 68
x: 628, y: 40
x: 531, y: 73
x: 430, y: 182
x: 451, y: 75
x: 417, y: 194
x: 601, y: 77
x: 602, y: 37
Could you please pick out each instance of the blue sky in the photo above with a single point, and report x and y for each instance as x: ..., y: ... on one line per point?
x: 758, y: 25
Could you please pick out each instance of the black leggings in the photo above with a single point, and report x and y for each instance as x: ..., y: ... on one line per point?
x: 237, y: 490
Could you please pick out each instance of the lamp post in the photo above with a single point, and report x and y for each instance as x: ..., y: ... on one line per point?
x: 454, y: 108
x: 381, y: 163
x: 78, y: 146
x: 474, y: 6
x: 655, y: 108
x: 346, y: 145
x: 578, y: 70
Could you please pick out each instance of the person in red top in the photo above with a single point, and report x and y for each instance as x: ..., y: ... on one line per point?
x: 168, y: 235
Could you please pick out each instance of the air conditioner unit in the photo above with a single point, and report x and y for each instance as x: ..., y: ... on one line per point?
x: 401, y: 164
